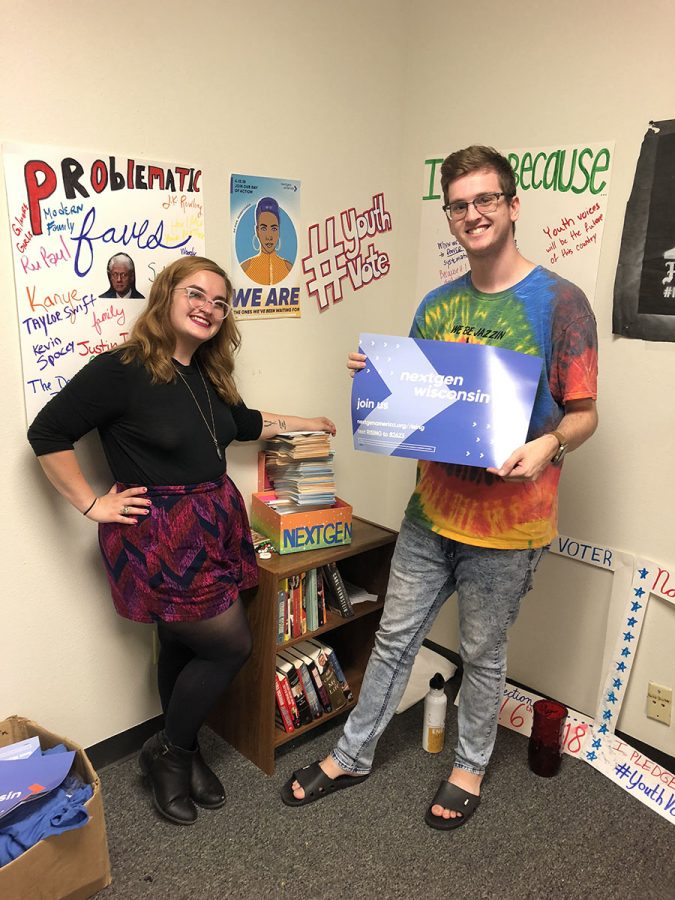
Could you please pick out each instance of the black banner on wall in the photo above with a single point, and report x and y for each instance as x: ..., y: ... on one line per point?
x: 644, y: 290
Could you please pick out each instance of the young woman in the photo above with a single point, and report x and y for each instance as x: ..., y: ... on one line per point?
x: 173, y: 529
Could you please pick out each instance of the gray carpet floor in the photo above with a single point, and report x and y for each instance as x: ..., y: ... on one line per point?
x: 577, y: 835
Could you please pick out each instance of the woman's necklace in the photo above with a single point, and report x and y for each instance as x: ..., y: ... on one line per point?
x: 212, y: 427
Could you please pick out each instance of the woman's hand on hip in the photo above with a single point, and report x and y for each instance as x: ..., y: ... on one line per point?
x: 121, y: 506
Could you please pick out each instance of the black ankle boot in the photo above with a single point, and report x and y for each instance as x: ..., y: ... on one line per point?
x: 169, y: 768
x: 205, y: 788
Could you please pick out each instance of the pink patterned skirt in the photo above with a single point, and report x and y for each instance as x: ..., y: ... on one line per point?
x: 187, y: 560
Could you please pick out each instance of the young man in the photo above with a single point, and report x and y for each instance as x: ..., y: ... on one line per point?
x: 480, y: 532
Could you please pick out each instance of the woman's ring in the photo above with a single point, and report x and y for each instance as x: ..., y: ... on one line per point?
x: 125, y: 510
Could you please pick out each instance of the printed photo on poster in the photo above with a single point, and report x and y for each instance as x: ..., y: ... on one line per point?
x: 563, y: 194
x: 644, y: 289
x: 265, y: 214
x: 89, y: 235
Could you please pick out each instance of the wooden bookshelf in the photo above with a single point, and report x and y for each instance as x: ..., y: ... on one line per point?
x: 245, y: 716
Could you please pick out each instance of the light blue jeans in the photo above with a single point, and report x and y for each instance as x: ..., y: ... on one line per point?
x: 426, y: 569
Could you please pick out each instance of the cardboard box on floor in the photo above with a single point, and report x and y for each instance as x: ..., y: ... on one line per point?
x: 69, y: 866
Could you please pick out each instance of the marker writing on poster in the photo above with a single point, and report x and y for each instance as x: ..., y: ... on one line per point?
x: 42, y: 181
x: 598, y: 555
x: 561, y: 170
x: 48, y: 259
x: 86, y: 348
x: 660, y: 585
x: 46, y: 355
x: 134, y: 233
x: 572, y: 235
x: 40, y: 386
x: 111, y: 314
x: 636, y: 781
x: 184, y: 202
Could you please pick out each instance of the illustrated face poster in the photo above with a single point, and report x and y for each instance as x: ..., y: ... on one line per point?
x: 563, y: 206
x: 644, y: 290
x: 89, y: 235
x: 265, y: 215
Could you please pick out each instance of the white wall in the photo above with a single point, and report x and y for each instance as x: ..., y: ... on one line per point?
x: 349, y: 98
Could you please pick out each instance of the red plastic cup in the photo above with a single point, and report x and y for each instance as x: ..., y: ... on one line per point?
x: 544, y: 751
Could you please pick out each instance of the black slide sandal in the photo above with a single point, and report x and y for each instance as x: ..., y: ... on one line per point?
x: 316, y: 784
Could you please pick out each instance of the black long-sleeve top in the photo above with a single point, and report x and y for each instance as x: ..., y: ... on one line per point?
x: 152, y: 434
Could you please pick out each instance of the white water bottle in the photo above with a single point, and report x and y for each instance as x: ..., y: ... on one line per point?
x: 435, y: 706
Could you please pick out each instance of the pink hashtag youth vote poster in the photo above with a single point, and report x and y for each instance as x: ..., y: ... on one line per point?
x: 90, y: 232
x: 265, y: 216
x: 442, y: 401
x: 563, y: 194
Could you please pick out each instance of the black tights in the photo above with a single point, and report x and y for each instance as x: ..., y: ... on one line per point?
x: 197, y: 661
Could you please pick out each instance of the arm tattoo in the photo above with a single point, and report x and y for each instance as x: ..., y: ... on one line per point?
x: 280, y: 422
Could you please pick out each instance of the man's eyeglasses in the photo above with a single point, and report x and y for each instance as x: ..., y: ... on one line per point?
x: 486, y: 203
x: 198, y: 300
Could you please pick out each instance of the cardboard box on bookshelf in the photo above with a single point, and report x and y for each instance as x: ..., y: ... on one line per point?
x: 293, y: 532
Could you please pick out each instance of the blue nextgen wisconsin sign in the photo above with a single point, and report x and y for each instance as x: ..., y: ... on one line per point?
x: 442, y: 401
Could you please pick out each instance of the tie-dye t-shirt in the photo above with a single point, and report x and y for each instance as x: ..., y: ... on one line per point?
x: 543, y: 315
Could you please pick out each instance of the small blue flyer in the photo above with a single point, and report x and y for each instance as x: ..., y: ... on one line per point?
x: 442, y: 401
x: 34, y: 776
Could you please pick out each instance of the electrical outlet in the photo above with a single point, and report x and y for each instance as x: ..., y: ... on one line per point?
x: 659, y: 702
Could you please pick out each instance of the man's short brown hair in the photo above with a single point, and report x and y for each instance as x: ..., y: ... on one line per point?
x: 463, y: 162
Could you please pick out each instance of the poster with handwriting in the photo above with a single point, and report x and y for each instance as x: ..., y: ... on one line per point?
x: 89, y: 234
x: 563, y: 195
x: 265, y: 214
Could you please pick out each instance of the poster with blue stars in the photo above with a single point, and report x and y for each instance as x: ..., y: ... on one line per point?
x: 623, y: 764
x: 442, y: 401
x: 594, y: 739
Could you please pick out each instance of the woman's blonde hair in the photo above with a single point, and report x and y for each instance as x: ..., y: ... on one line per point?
x: 152, y: 340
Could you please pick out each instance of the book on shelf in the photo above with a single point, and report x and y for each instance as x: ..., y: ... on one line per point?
x: 319, y: 686
x: 283, y: 630
x: 311, y: 598
x: 295, y: 602
x: 301, y: 605
x: 305, y: 681
x: 287, y: 694
x: 315, y: 651
x: 283, y: 715
x: 335, y: 591
x: 291, y: 673
x: 320, y: 597
x: 335, y: 663
x: 304, y: 628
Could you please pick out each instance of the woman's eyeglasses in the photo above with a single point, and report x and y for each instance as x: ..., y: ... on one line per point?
x: 198, y: 300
